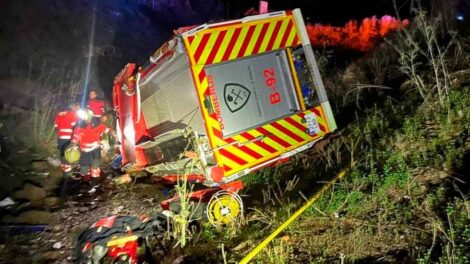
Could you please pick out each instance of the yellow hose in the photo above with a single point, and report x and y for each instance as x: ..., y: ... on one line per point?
x: 265, y: 242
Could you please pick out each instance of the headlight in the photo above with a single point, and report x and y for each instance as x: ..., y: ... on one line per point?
x: 82, y: 114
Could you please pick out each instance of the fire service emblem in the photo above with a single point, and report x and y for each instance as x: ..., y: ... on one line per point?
x: 236, y: 96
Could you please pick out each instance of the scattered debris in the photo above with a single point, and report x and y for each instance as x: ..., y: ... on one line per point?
x: 7, y: 202
x: 117, y: 210
x: 243, y: 245
x: 119, y: 236
x: 126, y: 178
x: 57, y: 245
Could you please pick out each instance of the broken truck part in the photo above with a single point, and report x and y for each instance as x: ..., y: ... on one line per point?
x: 236, y: 96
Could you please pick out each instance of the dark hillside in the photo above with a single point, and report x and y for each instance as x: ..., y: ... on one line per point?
x: 44, y: 46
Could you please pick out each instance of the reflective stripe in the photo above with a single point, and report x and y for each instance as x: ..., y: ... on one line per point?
x: 95, y: 173
x: 89, y: 149
x: 66, y: 137
x: 65, y: 130
x: 66, y: 167
x: 97, y: 115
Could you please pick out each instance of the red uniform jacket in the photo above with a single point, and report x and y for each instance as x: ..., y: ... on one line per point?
x: 64, y: 122
x: 89, y: 137
x: 97, y: 106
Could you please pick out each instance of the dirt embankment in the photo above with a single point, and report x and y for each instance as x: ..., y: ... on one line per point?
x: 42, y: 227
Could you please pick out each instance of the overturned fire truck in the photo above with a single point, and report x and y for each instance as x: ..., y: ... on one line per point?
x: 228, y: 98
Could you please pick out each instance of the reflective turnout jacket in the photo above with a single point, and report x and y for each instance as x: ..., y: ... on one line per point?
x: 97, y: 106
x: 89, y: 137
x: 64, y: 123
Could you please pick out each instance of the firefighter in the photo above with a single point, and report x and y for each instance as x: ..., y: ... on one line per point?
x: 64, y: 124
x: 88, y: 136
x: 96, y: 105
x: 99, y: 111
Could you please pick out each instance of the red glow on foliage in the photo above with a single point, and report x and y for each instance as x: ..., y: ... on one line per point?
x: 361, y: 37
x: 251, y: 12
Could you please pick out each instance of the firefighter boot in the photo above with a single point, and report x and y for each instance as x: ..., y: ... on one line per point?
x: 95, y: 179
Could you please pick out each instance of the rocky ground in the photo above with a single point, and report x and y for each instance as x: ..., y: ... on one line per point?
x: 39, y: 228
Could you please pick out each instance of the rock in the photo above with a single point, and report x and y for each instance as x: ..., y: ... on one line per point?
x: 52, y: 202
x: 30, y: 192
x: 117, y: 210
x: 83, y: 209
x: 21, y: 207
x: 33, y: 217
x: 53, y: 161
x: 40, y: 165
x: 93, y: 207
x: 57, y: 245
x: 57, y: 228
x: 76, y: 230
x: 37, y: 204
x: 49, y: 257
x: 56, y: 174
x: 53, y: 180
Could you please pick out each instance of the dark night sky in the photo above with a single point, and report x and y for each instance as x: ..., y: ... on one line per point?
x: 55, y: 31
x: 335, y: 12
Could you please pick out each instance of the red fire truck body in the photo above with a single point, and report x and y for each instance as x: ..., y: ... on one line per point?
x: 221, y: 100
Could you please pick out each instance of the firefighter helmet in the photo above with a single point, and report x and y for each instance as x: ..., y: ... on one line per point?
x: 85, y: 114
x: 72, y: 154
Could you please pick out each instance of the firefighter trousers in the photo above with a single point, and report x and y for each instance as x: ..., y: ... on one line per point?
x: 90, y: 162
x: 62, y: 146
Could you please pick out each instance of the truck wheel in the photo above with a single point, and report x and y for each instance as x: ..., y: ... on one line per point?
x: 224, y: 208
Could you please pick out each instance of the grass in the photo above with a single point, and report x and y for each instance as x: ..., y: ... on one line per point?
x: 278, y: 252
x: 186, y: 209
x: 405, y: 181
x: 392, y: 205
x: 405, y: 200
